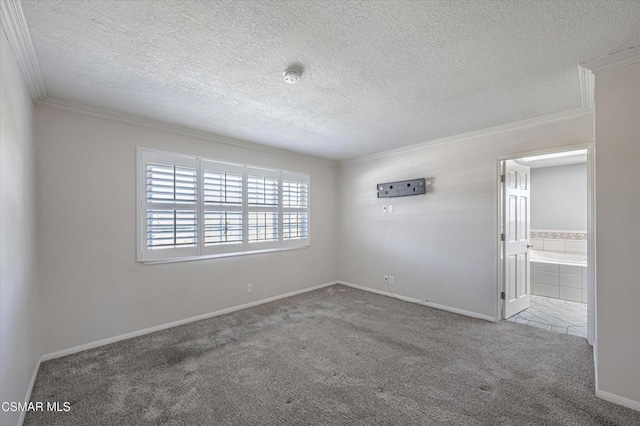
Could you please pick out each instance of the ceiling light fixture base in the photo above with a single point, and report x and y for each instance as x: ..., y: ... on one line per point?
x: 292, y: 76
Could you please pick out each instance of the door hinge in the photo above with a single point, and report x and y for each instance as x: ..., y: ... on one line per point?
x: 501, y: 237
x: 501, y: 178
x: 502, y: 295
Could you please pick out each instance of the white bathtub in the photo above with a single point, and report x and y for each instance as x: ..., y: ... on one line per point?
x: 575, y: 259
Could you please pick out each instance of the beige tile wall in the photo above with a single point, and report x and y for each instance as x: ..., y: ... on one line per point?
x: 559, y: 241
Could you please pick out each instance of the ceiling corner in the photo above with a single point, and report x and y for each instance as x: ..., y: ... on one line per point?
x: 615, y: 60
x: 15, y: 27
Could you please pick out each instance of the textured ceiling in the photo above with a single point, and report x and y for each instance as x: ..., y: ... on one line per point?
x: 378, y: 75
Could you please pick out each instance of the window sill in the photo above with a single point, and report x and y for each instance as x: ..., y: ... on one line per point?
x: 220, y: 255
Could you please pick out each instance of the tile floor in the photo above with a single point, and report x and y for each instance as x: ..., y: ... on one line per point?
x: 552, y: 314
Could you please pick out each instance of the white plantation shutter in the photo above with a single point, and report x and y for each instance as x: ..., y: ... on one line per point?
x: 191, y: 207
x: 223, y: 190
x: 263, y: 226
x: 171, y: 228
x: 295, y: 208
x: 263, y: 205
x: 170, y: 206
x: 222, y: 228
x: 263, y: 191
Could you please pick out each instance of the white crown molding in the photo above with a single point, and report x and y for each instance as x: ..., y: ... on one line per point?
x: 587, y: 85
x: 107, y: 114
x: 536, y: 121
x: 15, y: 27
x: 615, y: 60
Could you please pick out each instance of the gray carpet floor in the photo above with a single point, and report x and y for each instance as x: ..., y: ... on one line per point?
x: 335, y: 356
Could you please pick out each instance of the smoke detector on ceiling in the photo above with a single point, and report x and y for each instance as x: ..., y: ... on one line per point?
x: 292, y: 76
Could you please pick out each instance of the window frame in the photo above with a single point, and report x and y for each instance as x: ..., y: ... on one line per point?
x: 201, y: 249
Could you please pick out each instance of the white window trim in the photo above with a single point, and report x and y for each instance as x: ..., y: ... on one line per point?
x: 201, y: 251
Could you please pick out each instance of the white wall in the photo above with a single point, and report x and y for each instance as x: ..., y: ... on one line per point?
x: 19, y: 298
x: 92, y: 286
x: 440, y: 246
x: 559, y: 197
x: 618, y: 230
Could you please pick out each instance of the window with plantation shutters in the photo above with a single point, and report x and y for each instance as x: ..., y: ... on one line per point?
x: 223, y: 190
x: 295, y: 206
x: 171, y: 213
x: 192, y: 207
x: 263, y: 199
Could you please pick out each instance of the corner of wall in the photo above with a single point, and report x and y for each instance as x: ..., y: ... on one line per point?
x: 20, y: 321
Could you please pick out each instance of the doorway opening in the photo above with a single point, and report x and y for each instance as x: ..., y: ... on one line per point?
x: 546, y: 254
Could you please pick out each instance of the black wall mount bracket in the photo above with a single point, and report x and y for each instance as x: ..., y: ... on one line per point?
x: 402, y: 188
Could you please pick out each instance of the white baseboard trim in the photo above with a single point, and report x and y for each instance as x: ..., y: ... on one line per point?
x: 421, y: 302
x: 27, y: 397
x: 109, y: 340
x: 611, y: 397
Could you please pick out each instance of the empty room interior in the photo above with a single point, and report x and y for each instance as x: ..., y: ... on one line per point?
x: 328, y: 212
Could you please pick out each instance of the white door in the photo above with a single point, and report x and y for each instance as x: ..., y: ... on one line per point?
x: 516, y: 227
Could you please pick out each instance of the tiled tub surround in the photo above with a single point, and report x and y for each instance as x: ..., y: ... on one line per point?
x: 559, y: 265
x: 561, y: 281
x: 559, y: 241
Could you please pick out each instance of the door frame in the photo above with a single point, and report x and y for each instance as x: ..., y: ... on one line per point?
x: 591, y: 231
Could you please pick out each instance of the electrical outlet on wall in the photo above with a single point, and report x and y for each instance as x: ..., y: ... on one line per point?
x: 390, y: 279
x: 249, y: 288
x: 390, y: 208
